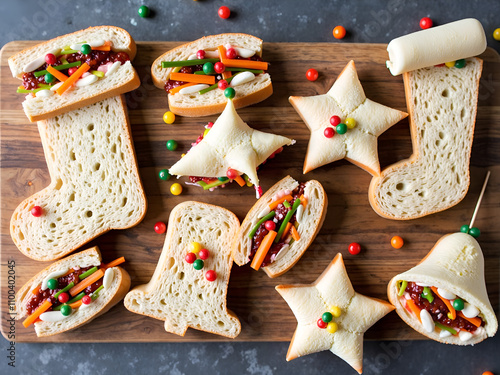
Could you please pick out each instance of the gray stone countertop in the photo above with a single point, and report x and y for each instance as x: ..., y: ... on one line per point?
x: 367, y: 21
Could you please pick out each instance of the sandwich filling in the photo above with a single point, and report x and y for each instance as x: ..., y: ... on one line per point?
x: 277, y: 227
x: 439, y: 310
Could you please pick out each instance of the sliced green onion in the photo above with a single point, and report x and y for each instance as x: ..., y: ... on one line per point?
x: 204, y: 91
x: 44, y: 86
x: 87, y: 273
x: 199, y: 72
x: 78, y: 297
x: 23, y: 91
x: 269, y: 216
x: 59, y: 67
x: 171, y: 64
x: 96, y: 293
x: 206, y: 186
x: 64, y: 61
x: 288, y: 216
x: 402, y: 288
x: 65, y: 289
x: 446, y: 328
x: 286, y: 204
x: 254, y: 71
x: 68, y: 51
x: 97, y: 73
x: 427, y: 294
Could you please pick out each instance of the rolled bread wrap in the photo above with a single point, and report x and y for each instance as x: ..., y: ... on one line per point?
x: 456, y: 264
x: 452, y: 41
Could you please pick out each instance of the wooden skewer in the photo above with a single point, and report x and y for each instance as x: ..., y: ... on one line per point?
x: 479, y: 199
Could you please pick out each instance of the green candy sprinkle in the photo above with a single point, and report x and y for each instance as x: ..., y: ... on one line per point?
x: 52, y: 284
x: 86, y: 49
x: 458, y: 304
x: 474, y: 232
x: 464, y: 228
x: 198, y: 264
x: 66, y: 310
x: 460, y: 63
x: 327, y: 317
x: 229, y: 93
x: 164, y: 174
x: 171, y: 145
x: 341, y: 128
x: 143, y: 11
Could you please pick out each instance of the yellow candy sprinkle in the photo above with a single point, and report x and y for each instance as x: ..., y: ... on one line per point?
x: 450, y: 316
x: 450, y: 64
x: 182, y: 155
x: 332, y: 327
x: 176, y: 189
x: 336, y: 311
x: 194, y: 247
x: 350, y: 122
x: 168, y: 117
x: 205, y: 132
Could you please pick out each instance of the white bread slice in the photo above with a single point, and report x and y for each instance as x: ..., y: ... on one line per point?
x: 108, y: 297
x: 442, y: 103
x: 125, y: 79
x: 181, y: 295
x: 455, y: 263
x: 194, y: 105
x: 230, y: 143
x: 309, y: 227
x: 309, y: 302
x: 95, y: 184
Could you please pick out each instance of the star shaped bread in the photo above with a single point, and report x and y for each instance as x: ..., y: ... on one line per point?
x: 357, y: 314
x: 230, y: 143
x: 345, y: 99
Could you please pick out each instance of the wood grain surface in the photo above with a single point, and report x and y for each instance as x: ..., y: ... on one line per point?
x: 263, y: 313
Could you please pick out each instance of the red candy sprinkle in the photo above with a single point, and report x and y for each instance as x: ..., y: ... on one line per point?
x: 160, y: 227
x: 50, y: 58
x: 312, y: 74
x: 37, y: 211
x: 222, y: 84
x: 209, y: 125
x: 63, y: 297
x: 72, y: 70
x: 190, y: 258
x: 231, y: 53
x: 425, y: 23
x: 200, y: 54
x: 224, y: 12
x: 210, y: 275
x: 203, y: 254
x: 86, y: 300
x: 219, y: 67
x: 354, y: 248
x: 321, y: 323
x: 335, y: 120
x: 270, y: 225
x: 329, y: 132
x: 231, y: 174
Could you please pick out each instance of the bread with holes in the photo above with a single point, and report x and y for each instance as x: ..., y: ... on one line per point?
x: 95, y: 184
x: 123, y: 80
x: 109, y: 296
x: 212, y: 102
x: 442, y: 103
x: 179, y: 294
x: 309, y: 225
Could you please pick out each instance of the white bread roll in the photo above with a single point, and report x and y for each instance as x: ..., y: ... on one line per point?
x: 181, y: 295
x: 194, y: 105
x: 455, y: 263
x: 95, y: 183
x: 442, y: 103
x: 450, y: 42
x: 309, y: 226
x: 108, y: 297
x: 125, y: 79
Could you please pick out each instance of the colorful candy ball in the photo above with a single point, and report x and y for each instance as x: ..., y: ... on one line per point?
x: 458, y: 304
x: 232, y: 173
x: 350, y: 122
x: 37, y: 211
x: 329, y: 132
x: 219, y: 67
x: 143, y: 11
x: 49, y: 78
x: 190, y: 258
x: 332, y: 327
x: 168, y: 117
x: 50, y: 58
x: 339, y: 32
x: 312, y: 74
x: 270, y: 225
x: 160, y: 227
x: 66, y: 310
x: 231, y: 53
x: 327, y: 317
x: 171, y: 145
x: 335, y: 120
x: 464, y: 228
x: 397, y: 242
x: 224, y: 12
x: 496, y: 34
x: 86, y: 300
x: 63, y: 297
x: 195, y: 247
x: 474, y: 232
x: 229, y: 93
x: 222, y: 84
x: 341, y: 128
x: 198, y: 264
x: 200, y: 54
x: 86, y: 49
x: 210, y: 275
x: 354, y: 248
x: 52, y: 284
x: 321, y: 324
x: 164, y: 174
x: 204, y: 254
x: 425, y: 23
x: 176, y: 189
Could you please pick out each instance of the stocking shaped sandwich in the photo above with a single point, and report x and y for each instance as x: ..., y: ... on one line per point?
x: 196, y: 74
x: 444, y: 297
x: 279, y: 228
x: 71, y: 292
x: 75, y: 70
x: 189, y: 285
x: 229, y: 150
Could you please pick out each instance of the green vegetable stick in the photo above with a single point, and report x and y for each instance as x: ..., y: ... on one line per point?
x: 269, y: 216
x: 59, y: 67
x: 446, y: 328
x: 171, y: 64
x: 287, y: 219
x: 402, y: 288
x: 65, y: 289
x: 87, y: 273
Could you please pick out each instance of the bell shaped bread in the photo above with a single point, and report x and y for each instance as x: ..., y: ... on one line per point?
x: 181, y: 295
x: 455, y: 264
x: 230, y: 143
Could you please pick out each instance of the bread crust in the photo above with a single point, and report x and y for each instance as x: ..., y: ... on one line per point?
x: 407, y: 163
x: 123, y: 280
x: 253, y: 97
x: 242, y: 246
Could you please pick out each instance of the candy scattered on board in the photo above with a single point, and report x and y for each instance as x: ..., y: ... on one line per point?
x: 426, y: 23
x: 144, y: 11
x: 224, y: 12
x: 397, y: 242
x: 339, y: 32
x: 312, y: 74
x: 176, y: 189
x: 168, y: 117
x: 160, y: 227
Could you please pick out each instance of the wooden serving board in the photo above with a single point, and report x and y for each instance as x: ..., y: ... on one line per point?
x: 263, y: 313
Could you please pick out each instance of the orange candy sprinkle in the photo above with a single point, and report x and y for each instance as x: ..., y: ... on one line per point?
x: 339, y: 32
x: 397, y: 242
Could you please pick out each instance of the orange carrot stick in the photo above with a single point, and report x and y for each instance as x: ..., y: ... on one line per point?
x: 86, y: 282
x: 248, y: 64
x: 240, y: 181
x: 73, y: 78
x: 179, y: 88
x: 222, y: 54
x: 303, y: 200
x: 56, y: 73
x: 275, y: 204
x: 195, y: 78
x: 36, y: 290
x: 413, y: 308
x: 287, y: 229
x: 295, y: 234
x: 76, y: 304
x: 226, y: 74
x: 476, y: 321
x: 114, y: 263
x: 105, y: 47
x: 39, y: 311
x: 453, y: 312
x: 264, y: 247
